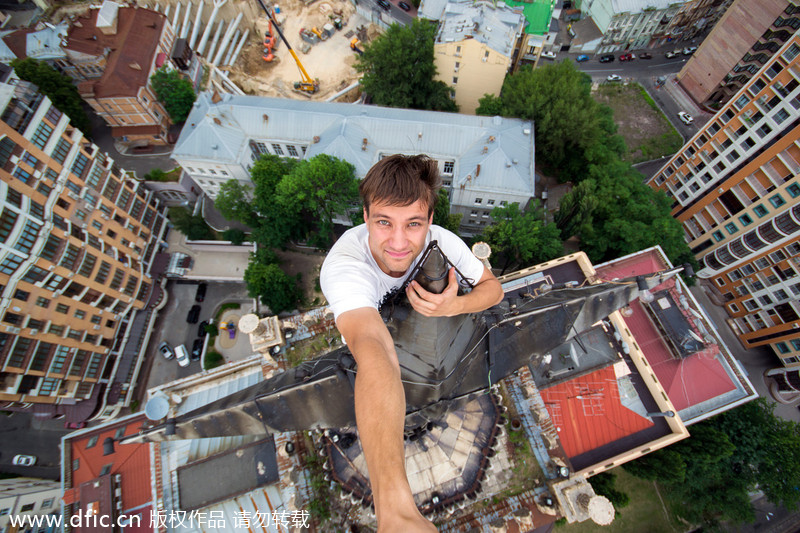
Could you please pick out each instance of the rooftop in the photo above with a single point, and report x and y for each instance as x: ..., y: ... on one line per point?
x: 131, y: 49
x: 221, y: 128
x: 538, y: 13
x: 495, y: 26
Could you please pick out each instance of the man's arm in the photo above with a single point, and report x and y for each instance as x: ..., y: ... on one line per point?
x: 486, y: 293
x: 380, y: 414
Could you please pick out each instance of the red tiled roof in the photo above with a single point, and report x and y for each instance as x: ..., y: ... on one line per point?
x: 588, y: 413
x: 134, y: 43
x: 687, y: 381
x: 130, y: 461
x: 17, y: 41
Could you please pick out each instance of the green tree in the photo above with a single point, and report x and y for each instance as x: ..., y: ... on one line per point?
x: 576, y: 209
x: 174, y: 91
x: 233, y: 201
x: 524, y: 238
x: 193, y: 226
x: 398, y: 69
x: 58, y: 87
x: 235, y: 235
x: 441, y: 213
x: 318, y: 188
x: 271, y: 286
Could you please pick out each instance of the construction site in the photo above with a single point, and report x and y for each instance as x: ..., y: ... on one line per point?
x: 241, y: 46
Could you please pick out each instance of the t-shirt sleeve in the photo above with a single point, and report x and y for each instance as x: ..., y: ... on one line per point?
x: 347, y: 283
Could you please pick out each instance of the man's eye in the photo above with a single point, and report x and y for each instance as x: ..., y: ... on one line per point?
x: 414, y: 224
x: 383, y: 222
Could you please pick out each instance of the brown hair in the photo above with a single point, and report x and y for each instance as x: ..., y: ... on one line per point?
x: 401, y: 180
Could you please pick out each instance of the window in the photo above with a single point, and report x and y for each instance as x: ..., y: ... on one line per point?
x: 745, y: 220
x: 761, y: 263
x: 777, y: 200
x: 42, y: 134
x: 27, y: 507
x: 718, y: 236
x: 22, y: 295
x: 760, y: 210
x: 731, y: 228
x: 106, y: 469
x: 455, y: 80
x: 41, y: 301
x: 48, y: 503
x: 793, y: 190
x: 92, y: 442
x: 742, y: 101
x: 96, y: 319
x: 764, y: 130
x: 292, y: 150
x: 780, y: 116
x: 277, y: 149
x: 478, y: 200
x: 61, y: 308
x: 734, y: 308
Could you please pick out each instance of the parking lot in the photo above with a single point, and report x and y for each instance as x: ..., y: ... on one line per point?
x: 172, y: 326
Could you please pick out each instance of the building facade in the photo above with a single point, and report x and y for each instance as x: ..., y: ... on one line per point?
x: 630, y: 24
x: 78, y: 238
x: 24, y: 496
x: 695, y: 17
x: 474, y: 49
x: 485, y: 162
x: 745, y: 39
x: 737, y: 193
x: 112, y: 52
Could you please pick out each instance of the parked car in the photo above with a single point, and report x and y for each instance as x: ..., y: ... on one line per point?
x: 613, y: 77
x: 75, y: 425
x: 645, y: 55
x: 24, y: 460
x: 548, y: 55
x: 627, y: 57
x: 385, y: 5
x: 581, y: 58
x: 200, y: 295
x: 197, y: 349
x: 686, y: 118
x: 673, y: 53
x: 608, y: 58
x: 404, y: 6
x: 182, y: 355
x: 194, y: 314
x: 166, y: 350
x: 201, y: 328
x: 689, y: 51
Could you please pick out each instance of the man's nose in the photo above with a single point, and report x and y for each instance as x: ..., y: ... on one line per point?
x: 398, y: 236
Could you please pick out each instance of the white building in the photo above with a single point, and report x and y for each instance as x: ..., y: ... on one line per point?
x: 485, y: 161
x: 631, y: 24
x: 28, y: 496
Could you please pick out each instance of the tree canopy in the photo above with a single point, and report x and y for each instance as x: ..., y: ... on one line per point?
x: 441, y: 213
x: 708, y: 476
x: 57, y: 87
x: 193, y: 226
x: 175, y: 92
x: 523, y: 238
x: 398, y: 69
x: 272, y: 286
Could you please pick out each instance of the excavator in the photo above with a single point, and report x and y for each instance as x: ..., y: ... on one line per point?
x: 306, y: 85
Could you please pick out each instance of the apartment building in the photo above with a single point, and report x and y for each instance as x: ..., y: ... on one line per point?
x: 474, y: 49
x: 630, y: 24
x: 746, y: 37
x: 29, y: 497
x: 695, y: 17
x: 737, y: 193
x: 77, y: 242
x: 112, y: 51
x: 485, y: 162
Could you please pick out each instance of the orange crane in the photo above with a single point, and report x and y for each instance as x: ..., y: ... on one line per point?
x: 306, y: 85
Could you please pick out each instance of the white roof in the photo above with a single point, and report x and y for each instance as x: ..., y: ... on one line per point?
x: 46, y: 43
x: 222, y: 132
x: 496, y: 26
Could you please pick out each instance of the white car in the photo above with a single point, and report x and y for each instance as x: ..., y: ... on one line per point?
x: 548, y: 55
x: 24, y: 460
x: 613, y: 77
x: 182, y: 355
x: 685, y: 117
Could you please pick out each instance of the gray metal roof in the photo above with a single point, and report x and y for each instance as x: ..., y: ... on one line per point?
x: 432, y: 9
x: 495, y: 26
x: 220, y: 132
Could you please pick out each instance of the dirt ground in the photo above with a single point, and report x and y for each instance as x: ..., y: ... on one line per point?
x: 647, y: 133
x: 307, y: 262
x: 330, y: 61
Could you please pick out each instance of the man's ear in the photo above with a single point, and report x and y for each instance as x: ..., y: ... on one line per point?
x: 365, y: 215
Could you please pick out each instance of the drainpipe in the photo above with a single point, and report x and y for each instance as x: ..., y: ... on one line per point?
x: 217, y: 5
x: 185, y: 27
x: 175, y: 17
x: 228, y: 34
x: 215, y: 41
x: 166, y: 10
x: 239, y: 47
x: 197, y: 21
x: 235, y: 40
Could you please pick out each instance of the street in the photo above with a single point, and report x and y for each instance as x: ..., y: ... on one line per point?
x: 23, y: 433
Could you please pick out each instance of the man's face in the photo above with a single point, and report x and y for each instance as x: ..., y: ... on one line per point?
x: 397, y: 234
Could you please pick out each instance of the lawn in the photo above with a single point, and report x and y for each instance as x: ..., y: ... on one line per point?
x: 645, y: 512
x: 647, y: 132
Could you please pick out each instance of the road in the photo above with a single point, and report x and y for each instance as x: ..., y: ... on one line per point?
x: 22, y: 433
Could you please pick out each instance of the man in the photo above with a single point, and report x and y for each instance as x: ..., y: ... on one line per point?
x: 399, y: 194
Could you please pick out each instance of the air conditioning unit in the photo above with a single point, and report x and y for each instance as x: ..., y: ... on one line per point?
x: 96, y: 326
x: 37, y: 174
x: 104, y: 216
x: 14, y: 159
x: 34, y: 332
x: 73, y: 195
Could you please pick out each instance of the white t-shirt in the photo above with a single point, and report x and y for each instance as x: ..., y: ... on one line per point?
x: 351, y: 279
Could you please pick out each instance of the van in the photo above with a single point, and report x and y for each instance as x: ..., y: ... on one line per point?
x: 182, y: 355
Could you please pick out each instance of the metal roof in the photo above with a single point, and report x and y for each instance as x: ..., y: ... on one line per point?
x: 220, y: 128
x: 638, y: 6
x: 495, y: 26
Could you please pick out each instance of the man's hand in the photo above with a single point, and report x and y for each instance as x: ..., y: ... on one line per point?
x: 430, y: 304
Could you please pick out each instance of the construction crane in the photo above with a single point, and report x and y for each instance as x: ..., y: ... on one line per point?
x: 306, y: 85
